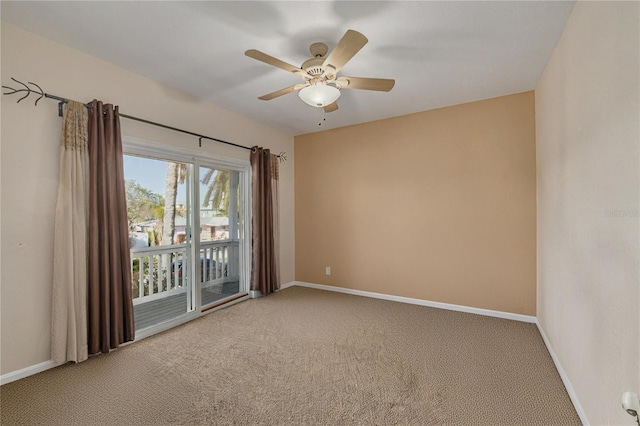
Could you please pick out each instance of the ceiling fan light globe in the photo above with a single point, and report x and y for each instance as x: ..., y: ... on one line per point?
x: 319, y: 95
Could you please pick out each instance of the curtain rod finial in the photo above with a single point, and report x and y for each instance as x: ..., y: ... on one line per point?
x: 28, y: 90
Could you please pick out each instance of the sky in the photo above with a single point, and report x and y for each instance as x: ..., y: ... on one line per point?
x: 150, y: 174
x: 147, y: 172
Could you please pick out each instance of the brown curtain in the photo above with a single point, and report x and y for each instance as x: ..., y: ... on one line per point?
x: 275, y: 200
x: 264, y: 258
x: 110, y: 307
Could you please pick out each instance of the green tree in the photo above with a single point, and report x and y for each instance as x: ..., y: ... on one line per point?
x: 142, y: 204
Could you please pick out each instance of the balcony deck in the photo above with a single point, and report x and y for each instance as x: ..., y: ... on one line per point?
x: 160, y: 310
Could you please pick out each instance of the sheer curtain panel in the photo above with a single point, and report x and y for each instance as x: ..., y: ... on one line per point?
x: 264, y: 258
x: 110, y: 307
x: 69, y: 290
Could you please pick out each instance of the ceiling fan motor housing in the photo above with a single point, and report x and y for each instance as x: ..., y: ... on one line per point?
x: 314, y: 66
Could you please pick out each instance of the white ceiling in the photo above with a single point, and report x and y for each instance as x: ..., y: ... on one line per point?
x: 439, y: 52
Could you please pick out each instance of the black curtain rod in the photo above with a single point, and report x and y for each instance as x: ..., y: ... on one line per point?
x: 282, y: 156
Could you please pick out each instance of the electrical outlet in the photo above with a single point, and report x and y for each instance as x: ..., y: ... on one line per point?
x: 327, y: 270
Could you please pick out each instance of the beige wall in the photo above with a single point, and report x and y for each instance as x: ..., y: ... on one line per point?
x: 30, y: 143
x: 438, y: 205
x: 587, y: 124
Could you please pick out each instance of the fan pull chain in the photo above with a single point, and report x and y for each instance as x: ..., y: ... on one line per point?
x: 321, y: 116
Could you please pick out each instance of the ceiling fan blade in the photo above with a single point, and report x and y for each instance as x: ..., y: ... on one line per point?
x: 380, y: 84
x: 281, y: 92
x: 347, y: 47
x: 331, y: 107
x: 267, y: 59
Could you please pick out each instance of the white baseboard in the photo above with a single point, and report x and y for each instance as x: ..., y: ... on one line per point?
x: 28, y: 371
x: 564, y: 377
x: 141, y: 334
x: 287, y: 285
x: 421, y: 302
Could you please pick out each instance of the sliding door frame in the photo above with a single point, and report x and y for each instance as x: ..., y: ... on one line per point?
x: 156, y: 150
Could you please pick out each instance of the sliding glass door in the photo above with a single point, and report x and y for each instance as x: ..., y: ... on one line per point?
x: 160, y: 213
x: 187, y: 224
x: 219, y: 238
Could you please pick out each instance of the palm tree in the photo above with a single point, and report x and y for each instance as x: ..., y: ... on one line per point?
x: 217, y: 195
x: 176, y: 174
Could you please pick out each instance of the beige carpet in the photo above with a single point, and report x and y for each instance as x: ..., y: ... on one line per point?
x: 308, y: 357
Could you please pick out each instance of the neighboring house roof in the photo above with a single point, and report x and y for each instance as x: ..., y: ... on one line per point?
x: 147, y: 223
x: 205, y: 221
x: 182, y: 221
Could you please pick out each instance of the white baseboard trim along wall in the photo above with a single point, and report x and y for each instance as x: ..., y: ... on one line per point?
x: 28, y: 371
x: 564, y: 377
x: 460, y: 308
x: 421, y: 302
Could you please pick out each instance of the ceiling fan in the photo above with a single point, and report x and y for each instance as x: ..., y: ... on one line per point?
x: 322, y: 85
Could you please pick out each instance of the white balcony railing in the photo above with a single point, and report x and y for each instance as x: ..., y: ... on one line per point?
x: 161, y: 271
x: 157, y: 272
x: 218, y: 263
